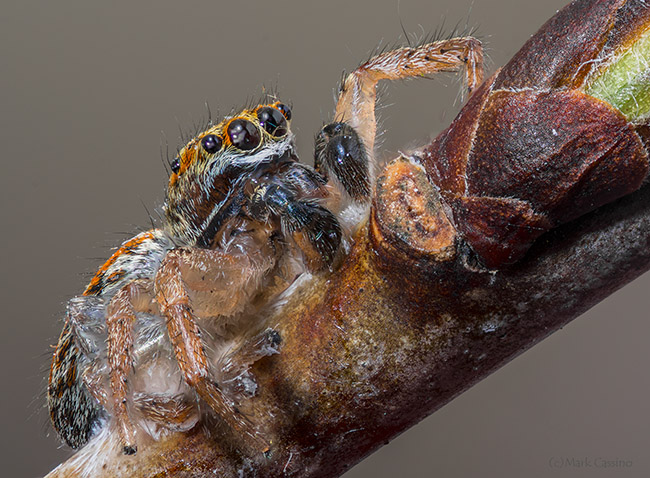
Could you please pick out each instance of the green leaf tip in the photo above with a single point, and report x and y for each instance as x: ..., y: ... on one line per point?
x: 625, y: 82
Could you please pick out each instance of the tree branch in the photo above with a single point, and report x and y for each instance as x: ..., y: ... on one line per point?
x: 410, y: 320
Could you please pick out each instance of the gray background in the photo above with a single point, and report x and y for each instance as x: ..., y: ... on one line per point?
x: 87, y: 88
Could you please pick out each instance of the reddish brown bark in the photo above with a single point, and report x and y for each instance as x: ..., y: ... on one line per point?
x: 531, y: 150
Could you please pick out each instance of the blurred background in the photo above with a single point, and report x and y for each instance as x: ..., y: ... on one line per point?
x: 87, y: 89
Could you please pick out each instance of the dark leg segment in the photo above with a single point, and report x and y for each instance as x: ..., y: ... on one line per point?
x: 314, y: 228
x: 339, y: 152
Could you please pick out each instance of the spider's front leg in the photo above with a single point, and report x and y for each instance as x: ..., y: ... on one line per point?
x: 344, y: 148
x: 315, y: 230
x: 193, y: 283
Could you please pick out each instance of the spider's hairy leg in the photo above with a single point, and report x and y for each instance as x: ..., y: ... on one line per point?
x: 344, y: 148
x: 120, y: 319
x: 191, y: 266
x: 356, y: 102
x: 314, y: 228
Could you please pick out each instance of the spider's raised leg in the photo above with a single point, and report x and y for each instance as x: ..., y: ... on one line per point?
x: 344, y: 148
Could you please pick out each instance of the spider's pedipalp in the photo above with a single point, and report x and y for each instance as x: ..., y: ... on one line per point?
x: 340, y: 154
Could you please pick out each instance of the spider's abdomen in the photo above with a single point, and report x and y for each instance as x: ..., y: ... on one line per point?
x: 73, y: 411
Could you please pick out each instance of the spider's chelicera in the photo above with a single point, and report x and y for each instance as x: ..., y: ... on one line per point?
x: 177, y: 315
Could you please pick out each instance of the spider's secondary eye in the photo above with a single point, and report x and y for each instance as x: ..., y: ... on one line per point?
x: 244, y: 134
x: 272, y: 121
x: 176, y: 165
x: 211, y: 143
x: 286, y: 111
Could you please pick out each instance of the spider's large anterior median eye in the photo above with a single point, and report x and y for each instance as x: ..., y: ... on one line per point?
x: 243, y: 134
x: 211, y: 143
x: 273, y: 121
x: 286, y: 111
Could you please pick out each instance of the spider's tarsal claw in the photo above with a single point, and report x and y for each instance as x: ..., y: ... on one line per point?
x: 274, y: 338
x: 130, y: 449
x: 267, y: 343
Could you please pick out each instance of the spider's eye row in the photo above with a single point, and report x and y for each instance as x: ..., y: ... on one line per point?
x: 244, y: 135
x: 211, y: 143
x: 286, y: 111
x: 273, y: 121
x: 176, y: 165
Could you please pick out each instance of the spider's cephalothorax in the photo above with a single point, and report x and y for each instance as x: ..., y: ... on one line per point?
x: 243, y: 173
x: 177, y: 314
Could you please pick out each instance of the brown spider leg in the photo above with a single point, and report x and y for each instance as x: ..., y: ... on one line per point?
x: 120, y: 317
x: 185, y: 337
x: 356, y: 102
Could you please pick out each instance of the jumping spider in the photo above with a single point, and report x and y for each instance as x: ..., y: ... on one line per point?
x: 176, y: 315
